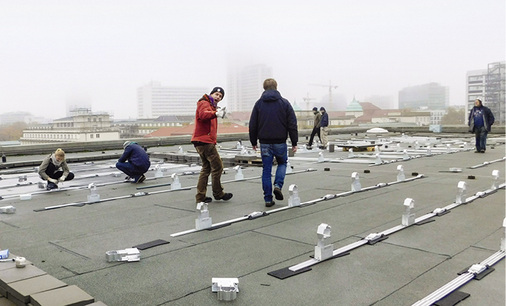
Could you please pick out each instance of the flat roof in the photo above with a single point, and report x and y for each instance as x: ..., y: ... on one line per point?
x: 65, y: 235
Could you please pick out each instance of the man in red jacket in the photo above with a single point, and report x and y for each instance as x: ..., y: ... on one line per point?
x: 204, y: 139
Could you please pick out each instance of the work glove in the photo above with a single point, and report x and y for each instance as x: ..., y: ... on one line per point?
x: 62, y: 178
x: 52, y: 180
x: 221, y: 112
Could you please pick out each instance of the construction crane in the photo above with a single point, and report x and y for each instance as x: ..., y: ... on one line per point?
x: 330, y: 86
x: 307, y: 99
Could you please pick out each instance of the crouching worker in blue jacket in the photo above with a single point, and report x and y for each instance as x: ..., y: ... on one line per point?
x: 54, y: 169
x: 134, y: 162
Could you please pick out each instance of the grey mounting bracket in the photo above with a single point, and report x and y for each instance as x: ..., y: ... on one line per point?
x: 495, y: 176
x: 400, y: 173
x: 226, y: 288
x: 294, y: 199
x: 355, y: 182
x: 238, y: 173
x: 461, y: 193
x: 175, y: 182
x: 408, y: 218
x: 203, y: 220
x: 7, y: 209
x: 321, y: 250
x: 129, y: 254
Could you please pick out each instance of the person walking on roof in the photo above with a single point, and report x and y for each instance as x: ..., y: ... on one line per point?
x: 134, y: 161
x: 316, y: 127
x: 204, y: 139
x: 272, y: 121
x: 480, y: 122
x: 324, y: 127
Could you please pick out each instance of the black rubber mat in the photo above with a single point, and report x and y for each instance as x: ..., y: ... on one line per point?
x: 452, y: 299
x: 150, y: 244
x: 286, y: 272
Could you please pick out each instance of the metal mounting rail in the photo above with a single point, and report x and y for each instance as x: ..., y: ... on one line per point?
x: 488, y: 163
x: 138, y: 194
x: 394, y: 229
x: 458, y: 281
x: 324, y: 198
x: 80, y: 204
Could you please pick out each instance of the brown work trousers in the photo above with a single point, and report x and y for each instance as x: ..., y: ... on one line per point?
x: 211, y: 164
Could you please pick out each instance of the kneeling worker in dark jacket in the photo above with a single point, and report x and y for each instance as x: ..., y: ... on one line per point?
x: 134, y: 162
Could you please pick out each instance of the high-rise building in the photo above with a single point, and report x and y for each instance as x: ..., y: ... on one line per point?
x: 431, y: 96
x: 488, y: 85
x: 154, y: 100
x: 245, y: 86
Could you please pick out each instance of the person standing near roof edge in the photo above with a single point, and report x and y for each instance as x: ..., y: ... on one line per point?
x: 480, y: 122
x: 134, y: 161
x: 204, y: 139
x: 271, y: 121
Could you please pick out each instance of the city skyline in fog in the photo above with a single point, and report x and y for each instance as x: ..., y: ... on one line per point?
x: 100, y: 52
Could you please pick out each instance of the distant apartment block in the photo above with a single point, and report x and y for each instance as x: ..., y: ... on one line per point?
x: 154, y: 100
x: 13, y: 117
x: 245, y: 86
x: 82, y: 126
x: 142, y: 127
x: 431, y: 96
x: 488, y: 85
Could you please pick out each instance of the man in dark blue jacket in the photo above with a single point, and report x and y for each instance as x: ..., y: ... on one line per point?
x: 134, y: 162
x: 324, y: 128
x: 272, y: 121
x: 480, y: 123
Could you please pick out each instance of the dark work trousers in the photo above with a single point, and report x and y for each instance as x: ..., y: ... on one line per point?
x: 316, y: 131
x: 480, y: 133
x: 211, y: 165
x: 52, y: 172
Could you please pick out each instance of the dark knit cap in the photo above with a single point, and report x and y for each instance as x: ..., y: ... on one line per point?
x: 218, y: 89
x: 315, y: 108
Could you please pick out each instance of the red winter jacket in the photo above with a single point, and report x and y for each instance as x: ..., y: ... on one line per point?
x: 206, y: 122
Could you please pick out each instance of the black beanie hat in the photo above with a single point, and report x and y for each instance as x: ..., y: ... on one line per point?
x: 218, y: 89
x: 315, y: 108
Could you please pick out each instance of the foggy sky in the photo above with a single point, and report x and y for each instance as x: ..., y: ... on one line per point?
x: 104, y: 50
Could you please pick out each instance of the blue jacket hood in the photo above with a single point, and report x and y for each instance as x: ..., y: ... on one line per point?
x: 270, y: 96
x: 272, y: 120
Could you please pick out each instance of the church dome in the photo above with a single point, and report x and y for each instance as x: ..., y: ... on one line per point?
x: 354, y: 106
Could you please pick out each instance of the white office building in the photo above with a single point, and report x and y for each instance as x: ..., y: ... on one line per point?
x: 82, y: 126
x: 245, y: 86
x: 154, y: 100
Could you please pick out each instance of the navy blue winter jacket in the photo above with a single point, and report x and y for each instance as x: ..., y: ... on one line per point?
x: 137, y: 156
x: 488, y: 117
x: 325, y: 119
x: 272, y: 120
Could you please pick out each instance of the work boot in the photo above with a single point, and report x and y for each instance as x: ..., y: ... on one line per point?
x: 225, y: 197
x: 208, y: 200
x: 141, y: 179
x: 269, y: 204
x: 278, y: 194
x: 51, y: 185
